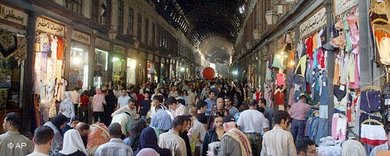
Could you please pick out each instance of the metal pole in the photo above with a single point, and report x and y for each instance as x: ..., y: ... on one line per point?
x: 330, y: 60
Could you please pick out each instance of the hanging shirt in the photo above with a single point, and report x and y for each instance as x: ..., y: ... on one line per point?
x: 280, y: 79
x: 60, y: 48
x: 279, y: 97
x: 309, y: 47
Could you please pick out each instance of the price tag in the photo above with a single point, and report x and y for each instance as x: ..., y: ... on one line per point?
x: 342, y: 87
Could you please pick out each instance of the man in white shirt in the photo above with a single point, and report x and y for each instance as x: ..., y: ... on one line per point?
x: 171, y: 102
x: 124, y: 99
x: 279, y: 141
x: 181, y: 108
x: 171, y: 139
x: 253, y: 124
x: 43, y: 137
x: 384, y: 147
x: 75, y: 97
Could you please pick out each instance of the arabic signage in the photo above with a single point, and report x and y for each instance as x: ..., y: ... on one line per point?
x: 341, y: 6
x: 102, y: 44
x: 315, y: 22
x: 81, y: 37
x: 13, y: 15
x: 119, y: 49
x: 50, y: 27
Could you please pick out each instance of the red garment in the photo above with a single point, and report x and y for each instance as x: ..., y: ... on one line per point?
x: 258, y: 96
x: 279, y: 98
x: 140, y: 97
x: 321, y: 58
x: 84, y: 100
x: 60, y: 48
x: 309, y: 47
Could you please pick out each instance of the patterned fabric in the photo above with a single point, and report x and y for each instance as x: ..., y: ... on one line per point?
x: 242, y: 139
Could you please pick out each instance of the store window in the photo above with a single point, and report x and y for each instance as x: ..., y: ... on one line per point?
x: 11, y: 68
x: 139, y: 27
x: 131, y: 70
x: 117, y: 70
x: 100, y: 70
x: 120, y: 16
x: 78, y: 76
x: 130, y: 28
x: 74, y: 5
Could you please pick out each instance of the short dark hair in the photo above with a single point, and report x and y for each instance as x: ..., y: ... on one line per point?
x: 14, y: 119
x: 211, y: 91
x: 138, y: 126
x: 84, y: 126
x: 303, y: 143
x: 229, y: 98
x: 43, y: 135
x: 170, y: 101
x: 179, y: 120
x: 115, y: 130
x: 59, y: 120
x: 158, y: 98
x: 182, y: 101
x: 262, y: 100
x: 200, y: 105
x: 280, y: 115
x: 132, y: 101
x: 77, y: 118
x: 146, y: 92
x: 252, y: 103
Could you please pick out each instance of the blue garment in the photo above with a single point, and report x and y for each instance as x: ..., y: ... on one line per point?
x: 317, y: 128
x: 210, y: 104
x: 324, y: 99
x: 145, y: 107
x: 161, y: 120
x: 298, y: 129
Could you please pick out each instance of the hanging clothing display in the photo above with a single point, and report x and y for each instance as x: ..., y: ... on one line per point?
x: 8, y: 43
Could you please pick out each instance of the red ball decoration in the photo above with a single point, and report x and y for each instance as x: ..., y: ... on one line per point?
x: 208, y: 73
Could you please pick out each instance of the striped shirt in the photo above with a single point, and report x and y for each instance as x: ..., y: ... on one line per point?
x: 278, y: 142
x: 115, y: 147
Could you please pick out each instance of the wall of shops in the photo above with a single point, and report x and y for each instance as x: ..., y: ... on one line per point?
x: 354, y: 52
x: 58, y: 50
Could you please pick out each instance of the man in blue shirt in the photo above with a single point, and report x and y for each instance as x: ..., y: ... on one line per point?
x: 210, y: 102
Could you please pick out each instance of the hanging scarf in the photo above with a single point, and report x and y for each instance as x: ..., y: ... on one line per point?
x: 240, y: 137
x: 8, y: 43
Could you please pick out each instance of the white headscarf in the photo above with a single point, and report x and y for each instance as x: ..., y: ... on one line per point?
x: 147, y: 152
x: 73, y: 143
x: 67, y: 107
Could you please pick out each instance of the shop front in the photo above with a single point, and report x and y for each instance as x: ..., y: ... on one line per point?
x: 100, y: 75
x: 131, y: 71
x: 151, y: 69
x: 12, y: 58
x: 49, y: 82
x: 79, y: 61
x: 119, y: 65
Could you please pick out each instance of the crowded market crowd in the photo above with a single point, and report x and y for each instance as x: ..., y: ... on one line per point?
x: 178, y: 118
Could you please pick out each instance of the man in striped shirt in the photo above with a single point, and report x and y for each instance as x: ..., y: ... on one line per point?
x: 115, y: 146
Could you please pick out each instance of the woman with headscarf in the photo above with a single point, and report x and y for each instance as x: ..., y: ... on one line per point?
x: 73, y: 144
x: 109, y: 108
x: 98, y: 103
x: 160, y: 123
x: 67, y: 107
x: 135, y: 134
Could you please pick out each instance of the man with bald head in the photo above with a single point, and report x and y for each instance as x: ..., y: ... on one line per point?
x: 84, y: 130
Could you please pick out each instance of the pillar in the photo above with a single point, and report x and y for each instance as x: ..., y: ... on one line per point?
x: 330, y: 60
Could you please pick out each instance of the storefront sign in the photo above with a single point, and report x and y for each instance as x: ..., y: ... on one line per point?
x: 13, y: 15
x: 50, y: 27
x: 81, y: 37
x: 315, y: 22
x: 102, y: 44
x: 340, y: 6
x: 120, y: 49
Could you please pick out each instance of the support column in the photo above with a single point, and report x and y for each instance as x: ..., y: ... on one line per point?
x: 330, y: 60
x: 28, y: 81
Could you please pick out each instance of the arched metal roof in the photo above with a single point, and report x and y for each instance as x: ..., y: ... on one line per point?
x: 201, y: 19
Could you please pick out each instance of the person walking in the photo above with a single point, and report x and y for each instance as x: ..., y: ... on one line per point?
x: 43, y: 136
x: 234, y: 142
x: 115, y: 146
x: 98, y: 103
x: 279, y: 140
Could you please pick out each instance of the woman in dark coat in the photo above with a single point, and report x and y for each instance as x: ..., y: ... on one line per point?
x: 215, y: 134
x: 109, y: 108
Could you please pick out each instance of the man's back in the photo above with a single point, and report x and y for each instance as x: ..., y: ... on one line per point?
x: 115, y: 148
x: 15, y: 144
x: 229, y: 147
x: 173, y: 142
x: 252, y: 121
x: 278, y: 142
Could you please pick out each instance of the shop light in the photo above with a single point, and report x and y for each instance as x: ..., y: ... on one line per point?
x: 182, y: 69
x: 115, y: 59
x: 235, y: 72
x: 291, y: 63
x: 76, y: 60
